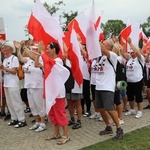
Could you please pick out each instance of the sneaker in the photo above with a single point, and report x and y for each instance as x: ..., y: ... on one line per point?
x: 77, y: 125
x: 87, y: 114
x: 138, y: 115
x: 71, y: 123
x: 63, y: 140
x: 96, y: 115
x: 107, y: 130
x: 147, y: 107
x: 35, y: 126
x: 130, y: 112
x: 40, y: 128
x: 119, y: 134
x: 121, y: 121
x: 100, y: 119
x: 20, y: 124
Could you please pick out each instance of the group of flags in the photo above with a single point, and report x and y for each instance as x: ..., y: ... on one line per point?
x: 43, y: 27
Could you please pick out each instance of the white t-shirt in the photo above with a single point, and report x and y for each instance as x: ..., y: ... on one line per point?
x: 106, y: 76
x: 85, y: 69
x: 11, y: 80
x: 33, y: 76
x: 93, y: 72
x: 134, y: 71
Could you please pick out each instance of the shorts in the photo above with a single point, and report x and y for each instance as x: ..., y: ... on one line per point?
x: 134, y: 91
x: 74, y: 96
x: 123, y: 93
x: 104, y: 99
x: 57, y: 113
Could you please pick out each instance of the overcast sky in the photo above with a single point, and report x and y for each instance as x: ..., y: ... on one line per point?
x: 16, y: 12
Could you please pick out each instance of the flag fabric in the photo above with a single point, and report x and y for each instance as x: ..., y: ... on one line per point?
x: 79, y: 24
x: 42, y: 26
x: 92, y: 39
x: 74, y: 55
x: 146, y: 47
x: 55, y: 75
x: 143, y: 36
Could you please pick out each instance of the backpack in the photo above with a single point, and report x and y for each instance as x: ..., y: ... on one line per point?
x: 120, y: 71
x: 69, y: 84
x: 144, y: 71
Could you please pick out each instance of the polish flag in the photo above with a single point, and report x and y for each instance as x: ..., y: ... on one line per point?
x: 74, y: 55
x: 2, y: 30
x: 55, y: 75
x: 146, y: 47
x: 79, y: 24
x: 143, y: 36
x: 42, y: 26
x: 92, y: 39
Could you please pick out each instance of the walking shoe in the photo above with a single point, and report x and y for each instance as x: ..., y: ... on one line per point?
x: 40, y: 128
x: 77, y: 125
x: 71, y: 123
x: 35, y: 126
x: 87, y: 114
x: 147, y: 107
x: 138, y: 115
x: 121, y: 121
x: 119, y: 134
x: 20, y: 124
x: 96, y: 115
x: 63, y: 140
x: 13, y: 122
x: 107, y: 130
x: 100, y: 119
x: 130, y: 112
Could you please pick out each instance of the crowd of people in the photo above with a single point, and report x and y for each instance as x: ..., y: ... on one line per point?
x: 98, y: 87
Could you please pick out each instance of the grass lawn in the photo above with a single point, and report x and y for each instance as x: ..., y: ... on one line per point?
x: 136, y: 140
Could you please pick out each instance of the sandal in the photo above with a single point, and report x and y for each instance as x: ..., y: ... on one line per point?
x: 63, y: 140
x: 53, y: 137
x: 21, y: 124
x: 13, y: 122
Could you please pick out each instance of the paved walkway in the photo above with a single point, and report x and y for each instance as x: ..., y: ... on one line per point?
x: 23, y: 139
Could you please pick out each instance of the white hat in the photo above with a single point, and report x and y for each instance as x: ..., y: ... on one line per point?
x: 10, y: 44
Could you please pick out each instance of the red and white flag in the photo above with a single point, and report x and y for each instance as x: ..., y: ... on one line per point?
x: 92, y: 39
x: 42, y: 26
x: 55, y: 75
x: 79, y: 24
x: 75, y: 57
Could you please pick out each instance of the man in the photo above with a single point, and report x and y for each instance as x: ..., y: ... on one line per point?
x: 11, y: 86
x: 105, y: 88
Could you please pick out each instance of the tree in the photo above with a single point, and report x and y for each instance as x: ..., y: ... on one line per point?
x: 146, y: 27
x: 112, y: 27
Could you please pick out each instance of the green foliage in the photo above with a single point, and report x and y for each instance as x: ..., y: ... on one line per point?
x: 54, y: 8
x: 146, y: 27
x: 136, y: 140
x: 68, y: 17
x: 112, y: 27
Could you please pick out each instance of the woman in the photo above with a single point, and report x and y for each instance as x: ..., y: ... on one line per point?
x: 33, y: 82
x: 134, y: 74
